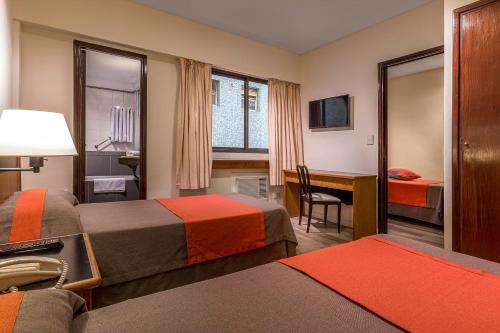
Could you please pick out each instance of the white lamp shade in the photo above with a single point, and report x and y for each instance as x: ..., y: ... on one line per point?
x: 34, y: 133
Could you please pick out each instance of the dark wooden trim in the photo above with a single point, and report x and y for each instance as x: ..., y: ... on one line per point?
x: 240, y: 164
x: 240, y: 150
x: 455, y: 122
x: 382, y: 126
x: 246, y: 79
x: 143, y: 193
x: 110, y: 50
x: 79, y: 69
x: 223, y: 72
x: 455, y: 172
x: 79, y: 83
x: 246, y: 118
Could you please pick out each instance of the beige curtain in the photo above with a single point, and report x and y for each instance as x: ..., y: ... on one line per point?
x: 194, y: 126
x: 285, y: 129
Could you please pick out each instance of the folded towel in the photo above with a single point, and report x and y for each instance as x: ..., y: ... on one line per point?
x: 109, y: 185
x: 133, y: 153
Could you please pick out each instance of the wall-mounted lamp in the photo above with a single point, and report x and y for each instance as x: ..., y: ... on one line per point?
x: 34, y: 134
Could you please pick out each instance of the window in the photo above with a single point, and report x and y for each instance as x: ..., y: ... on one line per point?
x: 239, y: 113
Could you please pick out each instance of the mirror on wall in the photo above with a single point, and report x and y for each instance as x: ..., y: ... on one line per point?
x: 413, y: 149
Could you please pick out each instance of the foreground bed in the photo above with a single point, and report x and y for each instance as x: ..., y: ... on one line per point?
x: 141, y: 246
x: 268, y: 298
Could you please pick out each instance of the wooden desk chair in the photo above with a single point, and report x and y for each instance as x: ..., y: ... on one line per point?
x: 313, y: 198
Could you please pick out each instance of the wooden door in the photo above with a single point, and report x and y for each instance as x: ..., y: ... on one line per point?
x: 476, y: 122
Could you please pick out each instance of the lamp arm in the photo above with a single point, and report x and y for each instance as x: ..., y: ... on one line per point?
x: 16, y: 169
x: 35, y: 164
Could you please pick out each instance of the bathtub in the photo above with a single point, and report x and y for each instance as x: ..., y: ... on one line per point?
x: 131, y: 190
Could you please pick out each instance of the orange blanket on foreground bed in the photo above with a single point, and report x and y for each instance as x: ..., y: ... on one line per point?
x: 413, y: 290
x: 410, y: 192
x: 28, y: 215
x: 9, y: 309
x: 217, y: 226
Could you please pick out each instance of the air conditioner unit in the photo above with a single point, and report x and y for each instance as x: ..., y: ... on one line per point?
x: 253, y: 186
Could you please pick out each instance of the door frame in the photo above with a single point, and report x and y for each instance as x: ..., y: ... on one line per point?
x: 79, y: 83
x: 455, y: 121
x: 382, y: 126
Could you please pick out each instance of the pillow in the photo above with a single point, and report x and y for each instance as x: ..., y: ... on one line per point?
x: 60, y: 216
x: 68, y: 196
x: 46, y: 310
x: 402, y: 174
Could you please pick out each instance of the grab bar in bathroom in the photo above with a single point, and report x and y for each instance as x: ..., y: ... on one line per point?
x: 103, y: 142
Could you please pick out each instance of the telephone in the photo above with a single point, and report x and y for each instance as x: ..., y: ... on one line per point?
x: 20, y: 271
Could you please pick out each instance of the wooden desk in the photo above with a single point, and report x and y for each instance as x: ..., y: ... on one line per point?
x: 364, y: 195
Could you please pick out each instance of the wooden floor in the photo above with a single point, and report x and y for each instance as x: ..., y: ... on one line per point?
x: 422, y: 232
x: 320, y: 237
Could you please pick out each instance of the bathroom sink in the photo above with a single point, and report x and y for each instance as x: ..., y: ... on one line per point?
x: 131, y: 161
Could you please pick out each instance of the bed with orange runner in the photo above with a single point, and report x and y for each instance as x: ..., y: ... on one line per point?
x: 419, y: 199
x: 377, y: 284
x: 145, y: 246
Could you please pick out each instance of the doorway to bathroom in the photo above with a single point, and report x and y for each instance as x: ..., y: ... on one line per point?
x: 110, y: 94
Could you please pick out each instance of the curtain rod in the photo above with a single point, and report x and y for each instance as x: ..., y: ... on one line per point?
x: 110, y: 89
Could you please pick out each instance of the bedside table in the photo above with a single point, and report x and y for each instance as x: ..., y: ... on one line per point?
x: 83, y: 273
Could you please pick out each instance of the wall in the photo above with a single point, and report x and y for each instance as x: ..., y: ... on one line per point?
x: 98, y: 106
x: 8, y: 181
x: 46, y: 73
x: 349, y: 66
x: 415, y: 123
x: 48, y: 87
x: 179, y: 37
x: 449, y: 6
x: 5, y: 53
x: 158, y: 31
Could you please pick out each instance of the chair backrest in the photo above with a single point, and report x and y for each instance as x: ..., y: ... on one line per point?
x: 304, y: 180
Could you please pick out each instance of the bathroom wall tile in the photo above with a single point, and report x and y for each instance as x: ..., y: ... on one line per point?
x: 97, y: 165
x: 117, y: 168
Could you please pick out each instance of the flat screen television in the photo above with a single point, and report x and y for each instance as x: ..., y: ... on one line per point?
x: 330, y: 112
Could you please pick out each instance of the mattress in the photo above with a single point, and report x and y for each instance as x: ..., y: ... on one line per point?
x: 137, y: 239
x: 431, y: 211
x: 271, y: 297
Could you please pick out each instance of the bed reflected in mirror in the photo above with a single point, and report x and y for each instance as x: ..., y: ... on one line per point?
x: 414, y: 149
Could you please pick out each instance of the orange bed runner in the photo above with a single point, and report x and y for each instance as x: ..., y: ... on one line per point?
x: 413, y: 290
x: 27, y: 216
x: 9, y: 308
x: 410, y: 192
x: 217, y: 226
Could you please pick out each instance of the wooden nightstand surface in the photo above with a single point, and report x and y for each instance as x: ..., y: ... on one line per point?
x: 83, y: 273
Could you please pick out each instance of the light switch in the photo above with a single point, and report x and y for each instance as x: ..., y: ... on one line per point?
x: 370, y: 140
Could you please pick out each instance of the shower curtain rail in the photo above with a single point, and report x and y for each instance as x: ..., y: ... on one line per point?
x: 111, y: 89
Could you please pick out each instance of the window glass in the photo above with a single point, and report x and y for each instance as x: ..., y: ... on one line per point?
x: 228, y: 117
x: 257, y: 115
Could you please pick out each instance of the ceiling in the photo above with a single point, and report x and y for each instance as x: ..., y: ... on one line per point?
x: 296, y: 25
x: 112, y: 71
x: 417, y: 66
